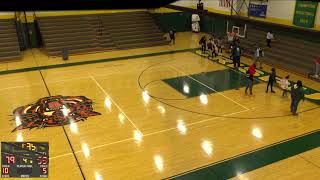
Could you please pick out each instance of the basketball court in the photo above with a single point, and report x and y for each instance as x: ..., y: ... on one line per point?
x: 165, y: 113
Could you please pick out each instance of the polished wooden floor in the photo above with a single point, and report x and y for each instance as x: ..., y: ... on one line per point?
x: 138, y: 137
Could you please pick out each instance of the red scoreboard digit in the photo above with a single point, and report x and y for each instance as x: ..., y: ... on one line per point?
x: 5, y: 170
x: 24, y: 159
x: 44, y: 170
x: 11, y: 159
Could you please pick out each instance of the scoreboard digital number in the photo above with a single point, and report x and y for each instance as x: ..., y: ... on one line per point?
x: 24, y: 159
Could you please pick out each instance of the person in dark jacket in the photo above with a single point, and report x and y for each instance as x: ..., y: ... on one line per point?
x: 210, y: 48
x: 272, y: 79
x: 297, y: 94
x: 172, y: 34
x: 202, y: 43
x: 236, y: 54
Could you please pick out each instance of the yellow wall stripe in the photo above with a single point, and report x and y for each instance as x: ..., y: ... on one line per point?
x: 7, y: 15
x: 70, y: 13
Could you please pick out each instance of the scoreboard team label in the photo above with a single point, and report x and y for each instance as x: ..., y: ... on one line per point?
x: 24, y: 159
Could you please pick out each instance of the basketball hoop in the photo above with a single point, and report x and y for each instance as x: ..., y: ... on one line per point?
x: 231, y: 36
x: 238, y: 31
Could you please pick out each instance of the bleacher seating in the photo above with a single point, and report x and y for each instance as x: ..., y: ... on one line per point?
x: 9, y: 44
x: 74, y: 33
x: 291, y: 53
x: 133, y: 30
x: 85, y: 33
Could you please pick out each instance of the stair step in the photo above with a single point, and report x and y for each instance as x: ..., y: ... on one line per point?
x: 74, y: 51
x: 65, y: 43
x: 68, y: 34
x: 72, y: 47
x: 144, y: 44
x: 60, y: 27
x: 11, y: 57
x: 68, y: 38
x: 138, y: 29
x: 138, y: 36
x: 130, y: 41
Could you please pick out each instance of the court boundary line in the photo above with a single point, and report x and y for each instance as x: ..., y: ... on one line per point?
x: 247, y: 153
x: 179, y: 71
x: 152, y: 133
x: 79, y: 63
x: 116, y: 104
x: 64, y: 130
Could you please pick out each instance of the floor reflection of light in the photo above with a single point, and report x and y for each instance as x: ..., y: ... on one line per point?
x: 158, y: 162
x: 18, y: 121
x: 207, y: 147
x: 257, y: 133
x: 19, y: 137
x: 161, y: 109
x: 181, y: 127
x: 107, y: 103
x: 137, y: 135
x: 121, y: 118
x: 186, y: 89
x: 203, y: 99
x: 241, y: 176
x: 98, y: 176
x: 85, y: 150
x: 145, y: 96
x: 73, y: 127
x: 65, y: 111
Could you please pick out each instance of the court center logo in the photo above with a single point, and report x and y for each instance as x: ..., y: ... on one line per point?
x: 53, y: 111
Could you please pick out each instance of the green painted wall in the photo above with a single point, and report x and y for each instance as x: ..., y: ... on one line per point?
x: 217, y: 25
x: 181, y: 21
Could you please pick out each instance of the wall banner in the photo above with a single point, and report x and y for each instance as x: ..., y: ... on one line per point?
x: 258, y: 9
x: 305, y: 13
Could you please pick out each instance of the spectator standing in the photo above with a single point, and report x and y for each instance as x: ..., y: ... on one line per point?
x: 272, y: 79
x: 236, y: 55
x: 258, y: 54
x: 284, y: 83
x: 172, y: 35
x: 210, y: 47
x: 317, y: 65
x: 251, y: 71
x: 297, y: 94
x: 202, y: 43
x: 269, y: 38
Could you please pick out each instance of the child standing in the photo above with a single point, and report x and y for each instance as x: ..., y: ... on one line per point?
x: 172, y: 34
x: 272, y: 79
x: 251, y: 71
x: 210, y: 48
x: 284, y: 83
x: 202, y: 43
x: 258, y: 54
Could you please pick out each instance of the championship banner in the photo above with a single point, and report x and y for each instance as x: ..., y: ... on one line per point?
x: 258, y: 9
x: 305, y: 13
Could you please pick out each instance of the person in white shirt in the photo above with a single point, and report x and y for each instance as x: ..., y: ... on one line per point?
x: 284, y: 83
x: 258, y: 54
x: 269, y: 38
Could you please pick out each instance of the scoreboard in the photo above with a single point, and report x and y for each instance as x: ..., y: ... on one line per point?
x: 24, y: 159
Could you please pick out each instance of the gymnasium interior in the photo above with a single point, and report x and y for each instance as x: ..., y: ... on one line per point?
x: 129, y: 93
